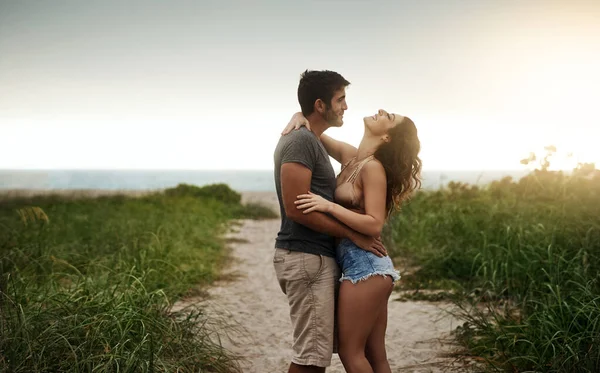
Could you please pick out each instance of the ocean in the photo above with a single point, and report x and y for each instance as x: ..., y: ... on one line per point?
x: 261, y: 180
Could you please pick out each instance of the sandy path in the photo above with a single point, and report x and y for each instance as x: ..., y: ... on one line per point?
x: 252, y: 298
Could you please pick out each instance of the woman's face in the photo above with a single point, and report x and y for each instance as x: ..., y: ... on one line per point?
x: 380, y: 123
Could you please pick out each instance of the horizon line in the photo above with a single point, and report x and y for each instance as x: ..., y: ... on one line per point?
x: 233, y: 169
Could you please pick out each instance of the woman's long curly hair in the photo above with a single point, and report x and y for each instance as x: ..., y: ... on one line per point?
x: 400, y: 159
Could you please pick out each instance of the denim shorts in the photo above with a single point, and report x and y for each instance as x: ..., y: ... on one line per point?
x: 358, y: 264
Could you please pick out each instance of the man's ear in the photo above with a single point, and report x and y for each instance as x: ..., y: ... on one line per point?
x: 320, y: 106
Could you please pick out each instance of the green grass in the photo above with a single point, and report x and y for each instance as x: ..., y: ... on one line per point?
x: 88, y: 284
x: 528, y: 250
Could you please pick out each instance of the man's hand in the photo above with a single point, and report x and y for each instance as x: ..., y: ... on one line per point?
x: 371, y: 244
x: 298, y: 120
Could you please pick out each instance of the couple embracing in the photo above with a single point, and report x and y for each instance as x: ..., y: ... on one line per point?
x: 329, y: 259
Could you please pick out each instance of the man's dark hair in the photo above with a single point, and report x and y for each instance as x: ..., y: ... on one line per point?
x: 316, y: 85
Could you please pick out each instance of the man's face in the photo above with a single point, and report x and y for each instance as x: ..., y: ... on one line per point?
x: 334, y: 115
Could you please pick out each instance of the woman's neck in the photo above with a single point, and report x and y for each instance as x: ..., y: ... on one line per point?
x: 368, y: 146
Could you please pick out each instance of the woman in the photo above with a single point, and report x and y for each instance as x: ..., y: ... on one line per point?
x: 374, y: 180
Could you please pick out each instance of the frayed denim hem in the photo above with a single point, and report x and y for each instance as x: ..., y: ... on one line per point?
x: 395, y: 275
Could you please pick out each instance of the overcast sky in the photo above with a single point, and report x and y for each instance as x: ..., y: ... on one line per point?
x: 210, y: 84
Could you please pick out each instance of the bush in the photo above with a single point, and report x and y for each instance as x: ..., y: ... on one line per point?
x: 529, y: 249
x: 220, y: 192
x: 88, y: 284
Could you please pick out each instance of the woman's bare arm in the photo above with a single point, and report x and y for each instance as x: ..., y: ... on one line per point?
x: 339, y: 150
x: 374, y: 192
x: 371, y: 222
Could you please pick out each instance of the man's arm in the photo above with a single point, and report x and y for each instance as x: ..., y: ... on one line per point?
x: 295, y: 180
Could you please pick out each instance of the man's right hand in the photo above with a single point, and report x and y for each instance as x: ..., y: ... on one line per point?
x: 367, y: 243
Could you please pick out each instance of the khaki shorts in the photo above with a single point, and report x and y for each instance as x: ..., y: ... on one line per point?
x: 311, y: 283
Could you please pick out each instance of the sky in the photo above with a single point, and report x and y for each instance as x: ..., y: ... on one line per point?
x: 208, y: 84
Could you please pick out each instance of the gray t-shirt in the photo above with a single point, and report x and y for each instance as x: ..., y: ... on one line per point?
x: 302, y: 146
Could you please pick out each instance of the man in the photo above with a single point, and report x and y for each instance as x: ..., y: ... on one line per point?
x: 304, y: 257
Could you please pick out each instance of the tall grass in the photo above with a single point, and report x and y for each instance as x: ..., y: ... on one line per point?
x: 530, y: 250
x: 87, y: 285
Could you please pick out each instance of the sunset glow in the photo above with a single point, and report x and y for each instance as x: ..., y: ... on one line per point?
x: 206, y: 85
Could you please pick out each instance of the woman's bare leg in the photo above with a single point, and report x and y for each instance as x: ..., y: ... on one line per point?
x: 375, y: 350
x: 359, y: 306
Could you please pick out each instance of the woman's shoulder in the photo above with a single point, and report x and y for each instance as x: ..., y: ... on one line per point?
x: 373, y: 168
x: 374, y: 163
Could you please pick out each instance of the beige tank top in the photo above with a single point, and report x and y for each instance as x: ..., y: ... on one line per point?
x: 345, y: 192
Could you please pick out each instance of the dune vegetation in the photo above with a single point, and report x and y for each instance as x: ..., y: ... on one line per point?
x: 88, y: 284
x: 521, y: 259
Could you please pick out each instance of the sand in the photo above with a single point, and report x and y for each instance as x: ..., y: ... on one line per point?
x: 248, y: 296
x: 418, y: 334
